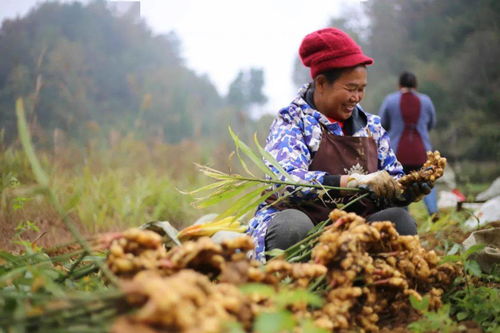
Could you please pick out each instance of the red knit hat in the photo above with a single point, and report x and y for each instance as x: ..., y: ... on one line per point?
x: 331, y: 48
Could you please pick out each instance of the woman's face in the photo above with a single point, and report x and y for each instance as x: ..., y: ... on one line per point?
x: 338, y: 99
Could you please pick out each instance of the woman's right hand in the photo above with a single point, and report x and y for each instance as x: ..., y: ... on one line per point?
x: 380, y: 183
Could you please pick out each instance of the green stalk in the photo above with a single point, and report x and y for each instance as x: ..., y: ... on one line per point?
x: 355, y: 200
x: 43, y: 180
x: 59, y: 258
x: 279, y: 182
x: 303, y: 256
x: 293, y: 249
x: 79, y: 312
x: 319, y: 281
x: 67, y: 319
x: 79, y: 303
x: 74, y: 265
x: 64, y: 257
x: 14, y: 273
x: 84, y: 271
x: 80, y: 298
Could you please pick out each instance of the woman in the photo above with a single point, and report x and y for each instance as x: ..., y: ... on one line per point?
x: 324, y: 137
x: 408, y: 116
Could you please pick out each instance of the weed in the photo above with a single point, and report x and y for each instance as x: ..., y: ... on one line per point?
x: 468, y: 299
x: 280, y: 319
x: 433, y: 321
x: 480, y: 304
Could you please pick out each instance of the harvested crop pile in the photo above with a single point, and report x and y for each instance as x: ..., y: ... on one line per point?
x: 134, y: 251
x: 372, y: 270
x: 184, y: 302
x: 365, y: 273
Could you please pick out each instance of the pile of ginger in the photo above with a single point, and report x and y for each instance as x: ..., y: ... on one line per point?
x: 364, y: 272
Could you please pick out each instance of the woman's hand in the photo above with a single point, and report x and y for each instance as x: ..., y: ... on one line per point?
x: 412, y: 193
x: 380, y: 183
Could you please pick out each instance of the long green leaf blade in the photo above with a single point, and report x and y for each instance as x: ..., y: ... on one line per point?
x: 219, y: 184
x: 215, y: 174
x: 242, y: 161
x: 252, y: 206
x: 217, y: 198
x: 251, y: 155
x: 24, y: 135
x: 254, y: 197
x: 272, y: 160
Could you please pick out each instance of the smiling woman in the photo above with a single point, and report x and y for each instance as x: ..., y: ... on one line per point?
x: 325, y: 137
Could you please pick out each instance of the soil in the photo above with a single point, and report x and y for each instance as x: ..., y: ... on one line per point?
x: 52, y: 229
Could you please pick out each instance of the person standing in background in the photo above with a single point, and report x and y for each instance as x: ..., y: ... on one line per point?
x: 408, y: 116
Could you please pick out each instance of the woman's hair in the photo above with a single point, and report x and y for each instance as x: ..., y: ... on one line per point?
x: 407, y: 80
x: 333, y: 74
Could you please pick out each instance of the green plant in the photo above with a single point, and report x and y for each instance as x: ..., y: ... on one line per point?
x: 433, y: 321
x: 468, y: 300
x: 480, y: 304
x: 51, y: 294
x: 44, y: 187
x: 279, y: 319
x: 458, y: 255
x: 8, y: 182
x: 246, y: 192
x: 20, y: 229
x: 119, y: 197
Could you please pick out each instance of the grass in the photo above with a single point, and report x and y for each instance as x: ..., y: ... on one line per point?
x: 103, y: 188
x: 109, y: 186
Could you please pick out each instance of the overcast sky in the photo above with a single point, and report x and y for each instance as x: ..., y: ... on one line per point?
x: 220, y: 37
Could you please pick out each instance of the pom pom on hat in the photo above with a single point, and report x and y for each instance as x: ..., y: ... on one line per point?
x: 331, y: 48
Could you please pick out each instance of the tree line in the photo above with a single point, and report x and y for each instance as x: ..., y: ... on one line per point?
x: 84, y: 69
x: 453, y: 47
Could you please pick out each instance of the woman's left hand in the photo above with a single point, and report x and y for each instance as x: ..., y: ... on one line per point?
x: 413, y: 193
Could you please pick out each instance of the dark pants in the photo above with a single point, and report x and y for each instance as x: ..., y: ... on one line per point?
x: 291, y: 225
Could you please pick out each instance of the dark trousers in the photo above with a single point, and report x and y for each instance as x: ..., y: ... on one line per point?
x: 289, y: 226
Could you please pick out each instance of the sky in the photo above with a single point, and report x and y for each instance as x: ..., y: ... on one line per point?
x: 221, y: 37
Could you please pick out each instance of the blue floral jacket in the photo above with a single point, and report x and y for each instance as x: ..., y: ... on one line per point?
x: 294, y: 137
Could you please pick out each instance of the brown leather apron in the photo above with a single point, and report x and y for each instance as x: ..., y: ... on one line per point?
x: 339, y: 155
